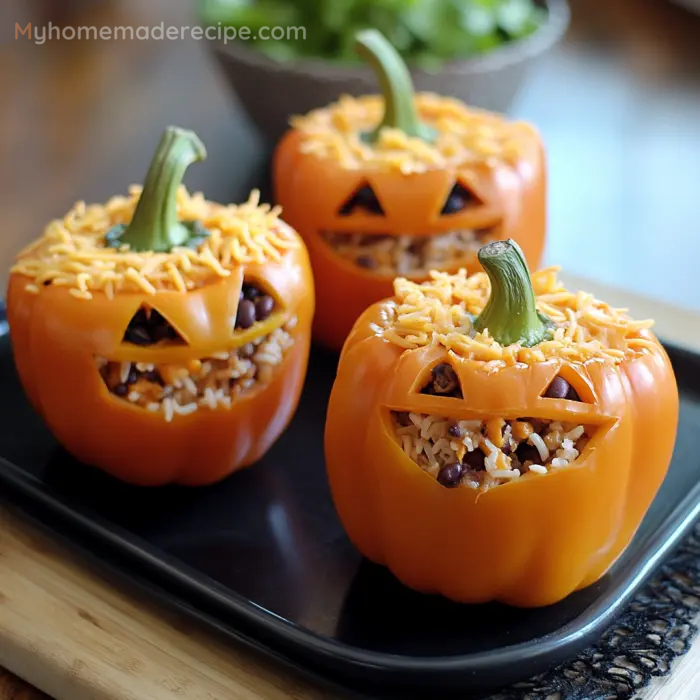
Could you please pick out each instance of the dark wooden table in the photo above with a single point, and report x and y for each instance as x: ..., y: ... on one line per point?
x: 618, y: 103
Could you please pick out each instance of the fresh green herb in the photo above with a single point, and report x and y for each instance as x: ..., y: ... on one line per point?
x: 427, y: 33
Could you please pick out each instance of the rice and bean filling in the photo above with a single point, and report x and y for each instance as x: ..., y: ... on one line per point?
x: 385, y: 254
x: 209, y: 382
x: 481, y: 454
x: 406, y: 255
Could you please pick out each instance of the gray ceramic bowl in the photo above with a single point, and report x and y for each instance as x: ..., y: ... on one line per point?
x: 270, y: 92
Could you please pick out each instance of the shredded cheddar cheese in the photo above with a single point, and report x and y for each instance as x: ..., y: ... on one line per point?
x: 71, y: 252
x: 439, y: 311
x: 494, y: 431
x: 467, y: 136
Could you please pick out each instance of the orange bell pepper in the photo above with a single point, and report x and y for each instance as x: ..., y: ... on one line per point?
x: 527, y: 541
x: 102, y: 316
x: 422, y: 190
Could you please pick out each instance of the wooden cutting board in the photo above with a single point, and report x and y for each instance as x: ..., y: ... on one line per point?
x: 74, y: 635
x: 70, y: 633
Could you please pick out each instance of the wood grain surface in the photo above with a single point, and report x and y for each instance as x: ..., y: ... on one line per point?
x: 77, y: 637
x: 78, y: 121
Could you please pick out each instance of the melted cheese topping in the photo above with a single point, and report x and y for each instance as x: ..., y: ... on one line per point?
x: 467, y: 136
x: 438, y: 312
x: 71, y: 251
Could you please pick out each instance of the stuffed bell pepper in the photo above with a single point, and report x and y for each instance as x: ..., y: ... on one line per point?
x: 161, y: 336
x: 400, y: 184
x: 497, y: 436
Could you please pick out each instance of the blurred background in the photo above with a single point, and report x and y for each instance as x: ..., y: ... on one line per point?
x: 617, y: 99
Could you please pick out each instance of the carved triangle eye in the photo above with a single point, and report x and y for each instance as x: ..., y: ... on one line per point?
x: 148, y: 327
x: 459, y: 199
x: 559, y: 388
x: 443, y: 381
x: 362, y: 198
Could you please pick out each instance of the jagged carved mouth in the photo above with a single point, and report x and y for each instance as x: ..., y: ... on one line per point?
x: 210, y: 382
x: 481, y: 454
x: 390, y: 255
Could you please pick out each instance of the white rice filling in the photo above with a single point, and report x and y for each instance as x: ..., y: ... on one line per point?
x: 404, y: 255
x: 208, y: 383
x: 491, y: 452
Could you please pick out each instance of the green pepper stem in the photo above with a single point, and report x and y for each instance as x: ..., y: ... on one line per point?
x: 397, y: 87
x: 510, y: 315
x: 154, y: 225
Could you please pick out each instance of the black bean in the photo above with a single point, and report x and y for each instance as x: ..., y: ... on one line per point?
x: 366, y: 261
x: 263, y: 307
x: 444, y: 379
x: 558, y: 389
x: 246, y: 314
x: 133, y: 375
x: 456, y: 431
x: 475, y: 460
x: 573, y: 395
x: 402, y: 418
x: 121, y: 390
x: 153, y: 376
x: 250, y: 292
x: 146, y: 328
x: 528, y: 453
x: 450, y: 474
x: 138, y: 335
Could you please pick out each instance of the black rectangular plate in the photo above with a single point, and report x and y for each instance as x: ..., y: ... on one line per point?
x: 263, y: 558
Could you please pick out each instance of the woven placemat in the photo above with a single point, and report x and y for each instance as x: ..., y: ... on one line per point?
x: 658, y: 627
